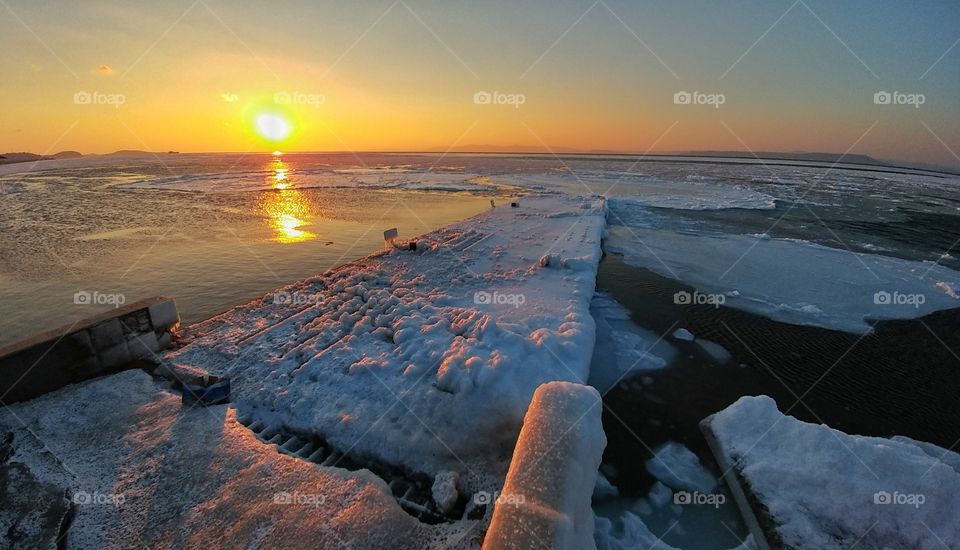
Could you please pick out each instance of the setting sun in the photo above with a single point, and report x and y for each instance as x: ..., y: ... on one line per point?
x: 273, y: 127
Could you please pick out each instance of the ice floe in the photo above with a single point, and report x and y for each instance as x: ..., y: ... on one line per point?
x: 791, y: 280
x: 821, y: 488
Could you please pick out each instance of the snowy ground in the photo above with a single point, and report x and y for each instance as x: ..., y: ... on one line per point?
x: 142, y: 471
x: 822, y: 488
x: 423, y: 359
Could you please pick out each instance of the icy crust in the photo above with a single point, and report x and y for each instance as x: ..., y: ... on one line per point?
x: 647, y: 190
x: 545, y: 500
x: 141, y: 470
x: 427, y: 358
x: 324, y: 178
x: 823, y: 488
x: 789, y: 280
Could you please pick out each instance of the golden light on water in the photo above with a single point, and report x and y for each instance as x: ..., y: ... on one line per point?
x: 286, y: 209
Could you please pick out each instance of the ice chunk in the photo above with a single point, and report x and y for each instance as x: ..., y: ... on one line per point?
x: 635, y: 534
x: 716, y: 352
x: 683, y: 334
x: 883, y: 493
x: 677, y: 467
x: 604, y: 489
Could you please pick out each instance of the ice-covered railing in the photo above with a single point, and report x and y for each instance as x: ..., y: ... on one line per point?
x: 545, y: 500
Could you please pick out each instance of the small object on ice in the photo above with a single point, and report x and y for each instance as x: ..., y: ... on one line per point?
x: 412, y: 245
x: 206, y: 390
x: 445, y: 490
x: 514, y: 205
x: 390, y: 235
x: 492, y: 204
x: 683, y: 334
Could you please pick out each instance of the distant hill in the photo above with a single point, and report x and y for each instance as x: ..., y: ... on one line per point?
x: 67, y: 155
x: 10, y: 158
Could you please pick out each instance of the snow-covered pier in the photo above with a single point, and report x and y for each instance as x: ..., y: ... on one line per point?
x: 413, y: 368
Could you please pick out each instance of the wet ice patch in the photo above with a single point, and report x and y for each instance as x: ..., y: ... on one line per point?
x: 622, y: 348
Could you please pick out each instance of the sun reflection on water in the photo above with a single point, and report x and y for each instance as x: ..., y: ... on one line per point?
x: 286, y: 209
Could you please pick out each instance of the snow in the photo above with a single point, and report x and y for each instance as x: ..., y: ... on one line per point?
x: 883, y: 493
x: 138, y: 467
x: 678, y: 468
x: 424, y: 359
x: 623, y: 348
x: 791, y: 280
x: 546, y: 497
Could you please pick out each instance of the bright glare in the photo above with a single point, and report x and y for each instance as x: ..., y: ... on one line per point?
x: 273, y: 127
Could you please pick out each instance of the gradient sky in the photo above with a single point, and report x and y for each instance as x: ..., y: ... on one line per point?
x: 796, y: 75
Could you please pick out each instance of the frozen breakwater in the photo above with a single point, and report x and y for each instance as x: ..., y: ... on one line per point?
x: 418, y: 363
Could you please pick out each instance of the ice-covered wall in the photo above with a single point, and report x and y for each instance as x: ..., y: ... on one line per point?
x: 545, y: 500
x: 105, y: 343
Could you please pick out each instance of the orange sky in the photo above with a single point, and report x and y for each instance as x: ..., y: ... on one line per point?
x: 403, y: 76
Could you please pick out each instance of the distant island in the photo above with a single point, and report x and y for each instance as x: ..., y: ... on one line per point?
x: 11, y: 158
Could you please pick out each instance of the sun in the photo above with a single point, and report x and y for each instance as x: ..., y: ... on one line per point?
x: 273, y: 127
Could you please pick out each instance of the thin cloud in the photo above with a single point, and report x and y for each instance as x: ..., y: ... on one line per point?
x: 230, y: 98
